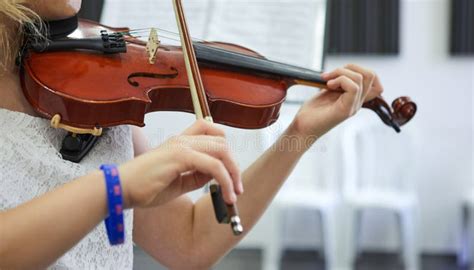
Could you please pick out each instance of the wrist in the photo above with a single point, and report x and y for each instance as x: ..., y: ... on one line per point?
x: 125, y: 180
x: 299, y: 136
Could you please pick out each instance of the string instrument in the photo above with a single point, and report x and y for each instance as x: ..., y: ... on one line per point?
x: 101, y: 76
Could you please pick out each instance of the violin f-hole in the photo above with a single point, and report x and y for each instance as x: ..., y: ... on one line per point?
x: 131, y: 78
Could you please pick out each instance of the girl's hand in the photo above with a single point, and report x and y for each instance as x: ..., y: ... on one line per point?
x: 347, y: 89
x: 182, y: 164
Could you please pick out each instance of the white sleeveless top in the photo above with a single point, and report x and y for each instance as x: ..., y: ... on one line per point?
x: 30, y: 165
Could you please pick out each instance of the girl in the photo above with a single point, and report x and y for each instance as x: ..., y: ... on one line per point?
x: 51, y: 209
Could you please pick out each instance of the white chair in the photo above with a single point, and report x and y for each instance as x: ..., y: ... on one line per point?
x: 466, y: 251
x: 311, y: 187
x: 315, y: 197
x: 378, y: 175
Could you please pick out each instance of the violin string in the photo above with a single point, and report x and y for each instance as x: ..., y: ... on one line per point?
x: 162, y: 36
x: 215, y: 48
x: 176, y: 39
x: 165, y: 34
x: 143, y: 30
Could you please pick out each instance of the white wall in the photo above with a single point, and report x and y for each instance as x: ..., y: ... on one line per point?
x: 443, y: 88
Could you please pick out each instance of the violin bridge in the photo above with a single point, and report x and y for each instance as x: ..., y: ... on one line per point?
x: 152, y: 46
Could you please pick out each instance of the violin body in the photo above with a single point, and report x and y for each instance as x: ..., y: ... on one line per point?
x: 90, y: 89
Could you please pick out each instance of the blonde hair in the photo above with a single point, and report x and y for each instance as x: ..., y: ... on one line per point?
x: 15, y: 18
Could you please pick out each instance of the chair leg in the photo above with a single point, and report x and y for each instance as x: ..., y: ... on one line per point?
x: 401, y: 252
x: 272, y: 252
x: 329, y: 226
x: 271, y: 258
x: 322, y: 231
x: 409, y: 243
x: 359, y: 217
x: 464, y: 252
x: 470, y: 237
x: 352, y: 236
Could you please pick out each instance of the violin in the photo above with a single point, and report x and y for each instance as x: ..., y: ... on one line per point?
x: 101, y: 76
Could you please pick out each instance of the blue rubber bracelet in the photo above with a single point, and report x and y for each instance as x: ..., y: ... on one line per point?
x: 114, y: 223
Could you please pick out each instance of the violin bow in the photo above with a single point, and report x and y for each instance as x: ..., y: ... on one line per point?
x: 226, y: 214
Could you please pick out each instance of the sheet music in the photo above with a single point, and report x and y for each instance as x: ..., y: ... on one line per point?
x: 138, y: 14
x: 289, y: 31
x: 282, y: 30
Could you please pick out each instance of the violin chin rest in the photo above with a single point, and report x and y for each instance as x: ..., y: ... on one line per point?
x: 62, y: 28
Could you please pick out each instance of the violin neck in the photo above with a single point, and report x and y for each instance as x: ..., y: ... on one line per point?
x: 297, y: 75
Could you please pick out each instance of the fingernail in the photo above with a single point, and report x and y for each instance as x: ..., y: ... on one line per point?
x: 241, y: 187
x: 233, y: 198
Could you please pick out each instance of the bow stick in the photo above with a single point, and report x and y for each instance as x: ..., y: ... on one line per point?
x: 224, y: 213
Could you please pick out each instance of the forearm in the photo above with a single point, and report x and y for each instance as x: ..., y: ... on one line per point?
x: 47, y: 227
x: 262, y: 180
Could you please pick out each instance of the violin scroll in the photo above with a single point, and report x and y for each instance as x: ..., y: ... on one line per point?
x: 402, y: 111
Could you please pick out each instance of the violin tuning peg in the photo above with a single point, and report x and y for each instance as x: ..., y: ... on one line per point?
x: 403, y: 110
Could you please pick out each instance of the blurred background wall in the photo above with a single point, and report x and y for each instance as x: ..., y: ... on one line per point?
x: 443, y: 87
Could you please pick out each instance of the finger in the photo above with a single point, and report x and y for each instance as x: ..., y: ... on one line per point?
x: 377, y: 89
x: 203, y: 141
x: 367, y: 73
x: 214, y: 146
x: 345, y: 84
x: 218, y: 148
x: 352, y: 92
x: 202, y: 127
x: 355, y: 76
x: 206, y: 164
x: 369, y: 78
x: 193, y: 180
